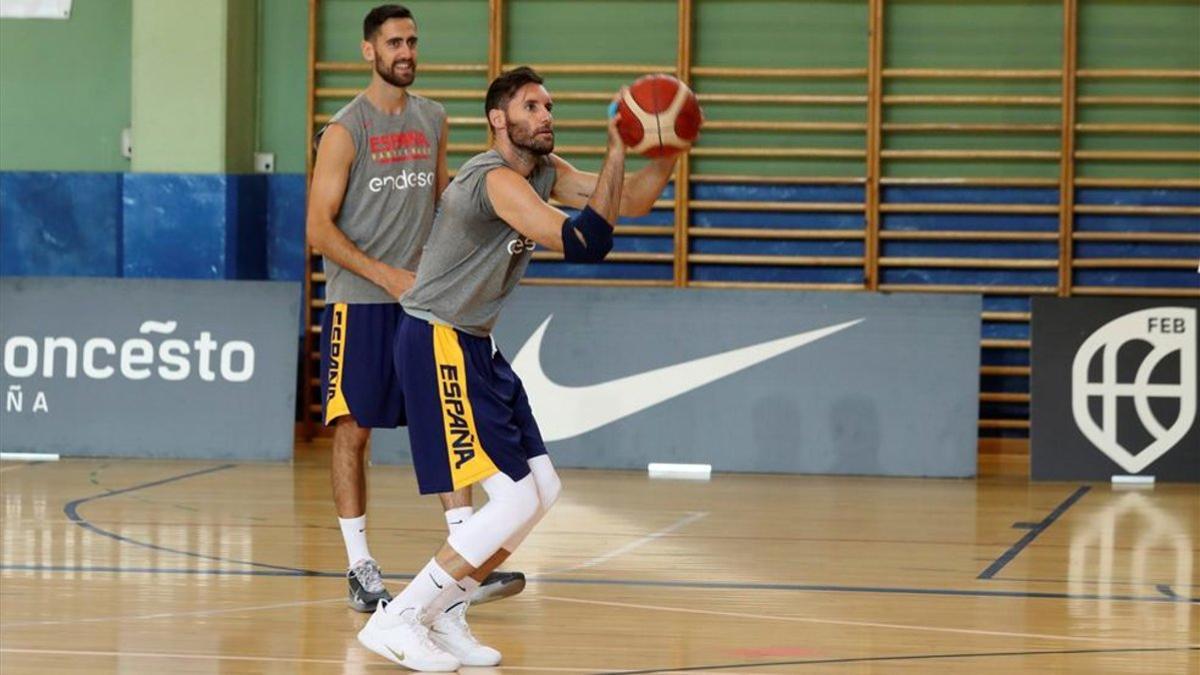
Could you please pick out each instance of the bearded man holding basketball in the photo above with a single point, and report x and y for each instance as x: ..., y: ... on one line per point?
x: 469, y: 417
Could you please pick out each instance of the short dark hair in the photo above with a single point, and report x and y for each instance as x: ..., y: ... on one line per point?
x: 504, y: 87
x: 380, y: 15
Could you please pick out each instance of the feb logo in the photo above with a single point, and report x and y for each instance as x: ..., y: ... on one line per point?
x: 1165, y: 375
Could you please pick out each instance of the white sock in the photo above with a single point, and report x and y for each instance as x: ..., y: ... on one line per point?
x: 354, y: 534
x: 430, y: 582
x: 454, y: 594
x: 456, y: 518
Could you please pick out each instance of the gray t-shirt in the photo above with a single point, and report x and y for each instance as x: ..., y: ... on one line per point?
x: 388, y: 207
x: 473, y: 258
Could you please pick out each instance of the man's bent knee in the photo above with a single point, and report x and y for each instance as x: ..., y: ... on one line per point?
x: 549, y: 486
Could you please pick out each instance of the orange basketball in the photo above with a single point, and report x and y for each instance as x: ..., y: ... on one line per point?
x: 659, y: 116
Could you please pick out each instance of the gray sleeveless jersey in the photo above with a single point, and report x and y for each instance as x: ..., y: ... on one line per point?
x: 388, y: 207
x: 473, y: 259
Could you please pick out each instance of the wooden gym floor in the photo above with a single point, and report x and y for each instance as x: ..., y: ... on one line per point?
x: 206, y: 567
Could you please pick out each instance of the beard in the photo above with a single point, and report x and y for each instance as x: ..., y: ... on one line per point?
x: 531, y: 141
x: 389, y: 75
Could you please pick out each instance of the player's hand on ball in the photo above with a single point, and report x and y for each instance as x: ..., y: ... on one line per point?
x: 614, y: 133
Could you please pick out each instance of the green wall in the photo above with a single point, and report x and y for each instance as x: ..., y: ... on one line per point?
x: 1160, y: 34
x: 178, y: 86
x: 38, y: 132
x: 241, y: 85
x: 64, y: 89
x: 1024, y: 34
x: 282, y: 86
x: 820, y: 34
x: 67, y: 87
x: 194, y: 86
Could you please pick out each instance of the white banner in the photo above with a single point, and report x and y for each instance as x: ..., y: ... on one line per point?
x: 35, y: 9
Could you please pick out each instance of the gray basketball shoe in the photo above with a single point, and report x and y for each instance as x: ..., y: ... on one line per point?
x: 366, y: 586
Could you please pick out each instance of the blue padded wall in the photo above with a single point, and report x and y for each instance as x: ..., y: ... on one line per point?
x: 194, y: 226
x: 285, y: 227
x: 246, y: 226
x: 60, y: 224
x: 174, y: 226
x: 285, y: 235
x: 252, y: 227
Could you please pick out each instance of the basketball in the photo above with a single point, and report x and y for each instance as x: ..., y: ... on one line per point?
x: 659, y: 116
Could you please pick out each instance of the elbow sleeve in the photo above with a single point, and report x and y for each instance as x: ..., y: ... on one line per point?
x: 587, y: 237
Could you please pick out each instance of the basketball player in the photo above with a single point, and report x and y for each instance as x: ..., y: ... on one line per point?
x: 381, y: 163
x: 469, y: 417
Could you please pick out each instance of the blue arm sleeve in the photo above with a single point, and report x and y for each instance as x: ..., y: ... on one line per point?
x: 596, y: 235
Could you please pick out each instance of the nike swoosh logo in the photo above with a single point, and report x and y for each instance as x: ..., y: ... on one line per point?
x: 435, y: 583
x: 565, y: 412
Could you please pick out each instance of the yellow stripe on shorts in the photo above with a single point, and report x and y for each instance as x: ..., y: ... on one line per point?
x: 469, y: 462
x: 335, y: 400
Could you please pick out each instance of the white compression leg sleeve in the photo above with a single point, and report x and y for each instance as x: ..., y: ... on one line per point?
x: 510, y: 507
x: 548, y: 486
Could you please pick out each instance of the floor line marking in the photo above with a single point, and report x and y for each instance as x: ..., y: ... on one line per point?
x: 71, y: 509
x: 633, y: 545
x: 653, y: 583
x: 1038, y: 528
x: 166, y: 615
x: 238, y: 657
x: 902, y: 657
x: 842, y: 622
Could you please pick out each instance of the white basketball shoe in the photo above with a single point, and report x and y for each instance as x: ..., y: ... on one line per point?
x: 449, y: 630
x: 403, y: 639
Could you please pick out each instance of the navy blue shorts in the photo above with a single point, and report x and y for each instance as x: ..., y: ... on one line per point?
x: 468, y: 413
x: 358, y: 376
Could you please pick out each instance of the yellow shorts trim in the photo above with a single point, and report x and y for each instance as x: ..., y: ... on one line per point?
x: 335, y: 400
x: 469, y: 463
